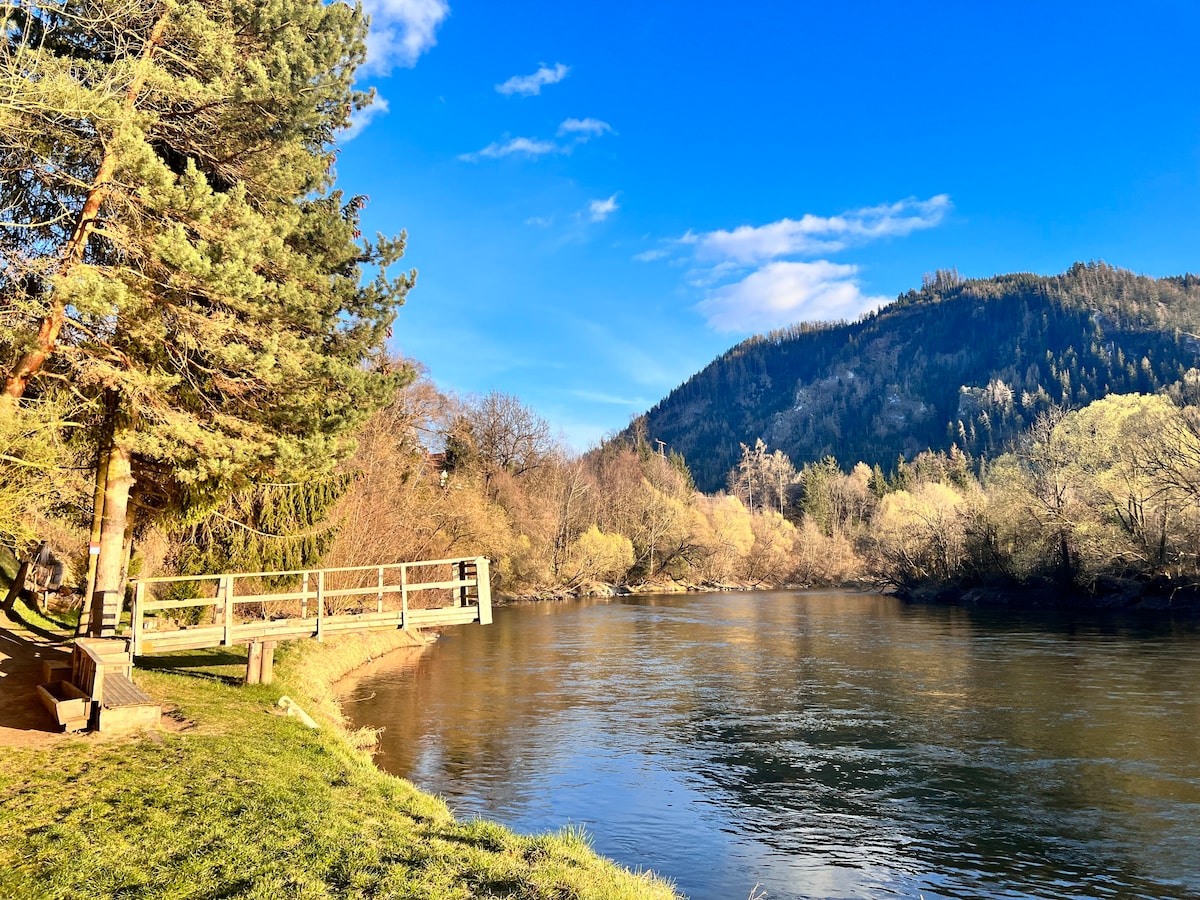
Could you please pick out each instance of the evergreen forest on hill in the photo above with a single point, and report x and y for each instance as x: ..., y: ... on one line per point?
x: 966, y: 362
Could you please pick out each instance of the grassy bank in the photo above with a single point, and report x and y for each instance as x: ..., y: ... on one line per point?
x: 230, y: 800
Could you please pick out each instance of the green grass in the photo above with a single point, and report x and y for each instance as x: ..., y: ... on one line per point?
x: 242, y: 803
x: 8, y: 568
x: 47, y: 624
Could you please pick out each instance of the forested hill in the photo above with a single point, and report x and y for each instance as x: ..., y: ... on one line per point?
x: 965, y: 361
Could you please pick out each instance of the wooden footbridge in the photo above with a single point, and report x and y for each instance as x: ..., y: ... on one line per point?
x: 187, y: 612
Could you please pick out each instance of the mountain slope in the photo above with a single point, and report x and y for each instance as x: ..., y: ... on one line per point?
x: 971, y: 362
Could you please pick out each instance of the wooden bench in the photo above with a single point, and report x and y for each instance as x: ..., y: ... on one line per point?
x: 100, y: 692
x: 102, y: 667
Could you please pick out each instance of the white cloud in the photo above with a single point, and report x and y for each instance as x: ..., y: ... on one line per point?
x: 520, y: 146
x: 584, y: 129
x: 529, y: 85
x: 812, y: 235
x: 651, y: 255
x: 361, y: 118
x: 748, y: 244
x: 401, y: 30
x: 599, y: 210
x: 782, y: 293
x: 539, y: 221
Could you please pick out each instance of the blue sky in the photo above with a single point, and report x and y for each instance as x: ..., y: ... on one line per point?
x: 602, y: 197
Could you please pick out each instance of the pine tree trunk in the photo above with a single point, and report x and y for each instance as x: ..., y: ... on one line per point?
x: 32, y: 360
x: 109, y: 594
x: 101, y: 481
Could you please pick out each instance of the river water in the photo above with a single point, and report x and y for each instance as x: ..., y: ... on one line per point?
x: 818, y: 744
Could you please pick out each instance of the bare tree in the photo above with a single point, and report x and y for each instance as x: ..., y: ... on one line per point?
x: 503, y: 435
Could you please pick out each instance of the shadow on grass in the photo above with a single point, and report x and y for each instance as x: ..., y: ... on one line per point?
x: 21, y: 614
x: 216, y: 663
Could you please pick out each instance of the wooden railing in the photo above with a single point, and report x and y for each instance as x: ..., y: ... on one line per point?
x: 246, y: 607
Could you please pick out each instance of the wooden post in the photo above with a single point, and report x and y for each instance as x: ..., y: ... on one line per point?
x: 85, y: 618
x: 320, y: 603
x: 18, y: 585
x: 225, y: 593
x: 254, y: 655
x: 268, y: 661
x: 403, y: 595
x: 139, y: 598
x: 462, y: 590
x: 380, y: 605
x: 304, y: 596
x: 484, y: 590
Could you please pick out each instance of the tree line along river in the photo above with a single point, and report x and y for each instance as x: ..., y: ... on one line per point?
x: 818, y: 744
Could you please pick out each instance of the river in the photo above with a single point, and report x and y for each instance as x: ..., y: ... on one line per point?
x: 818, y: 744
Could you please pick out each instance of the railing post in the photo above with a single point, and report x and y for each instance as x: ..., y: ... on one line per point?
x: 403, y: 595
x: 268, y: 662
x: 225, y: 591
x: 304, y: 596
x: 254, y: 662
x: 461, y: 600
x: 380, y: 589
x: 320, y: 603
x: 139, y: 597
x: 484, y: 590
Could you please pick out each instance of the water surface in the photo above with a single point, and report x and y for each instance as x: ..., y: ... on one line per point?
x: 818, y: 744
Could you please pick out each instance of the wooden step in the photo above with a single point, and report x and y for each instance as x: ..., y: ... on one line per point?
x: 126, y: 706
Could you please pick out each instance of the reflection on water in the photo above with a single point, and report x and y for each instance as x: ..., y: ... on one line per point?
x: 819, y: 744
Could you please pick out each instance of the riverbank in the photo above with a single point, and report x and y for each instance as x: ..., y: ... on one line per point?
x: 233, y: 799
x: 665, y: 586
x: 1134, y: 595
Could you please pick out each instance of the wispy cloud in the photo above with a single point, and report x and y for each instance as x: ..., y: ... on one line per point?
x: 811, y: 235
x: 651, y: 255
x: 531, y: 85
x: 519, y: 146
x: 634, y: 403
x: 666, y: 364
x: 540, y: 221
x: 401, y: 30
x: 361, y: 118
x: 584, y: 129
x: 784, y: 292
x: 708, y: 276
x: 599, y: 210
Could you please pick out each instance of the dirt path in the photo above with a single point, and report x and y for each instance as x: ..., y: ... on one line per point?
x: 24, y: 721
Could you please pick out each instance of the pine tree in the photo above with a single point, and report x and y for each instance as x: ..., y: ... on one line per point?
x: 172, y: 242
x: 268, y: 527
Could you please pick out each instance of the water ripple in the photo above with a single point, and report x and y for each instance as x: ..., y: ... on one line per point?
x: 820, y: 744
